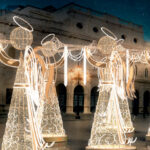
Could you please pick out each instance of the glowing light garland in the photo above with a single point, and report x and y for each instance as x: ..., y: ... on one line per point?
x: 77, y: 57
x: 84, y: 67
x: 65, y: 65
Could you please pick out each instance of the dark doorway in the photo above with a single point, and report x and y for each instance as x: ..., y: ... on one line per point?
x: 145, y: 103
x: 78, y: 105
x: 9, y: 92
x: 94, y: 98
x: 135, y: 104
x: 61, y: 93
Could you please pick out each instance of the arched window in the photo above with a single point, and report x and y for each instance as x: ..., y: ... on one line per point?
x: 135, y: 40
x: 94, y: 98
x: 8, y: 95
x: 61, y: 93
x: 146, y: 73
x: 135, y: 103
x: 78, y: 104
x: 95, y: 29
x: 146, y: 102
x: 79, y: 25
x: 123, y: 36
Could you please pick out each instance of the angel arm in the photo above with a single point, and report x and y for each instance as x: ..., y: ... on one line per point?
x: 93, y: 62
x: 130, y: 84
x: 5, y: 59
x: 59, y: 63
x: 50, y: 79
x: 147, y: 57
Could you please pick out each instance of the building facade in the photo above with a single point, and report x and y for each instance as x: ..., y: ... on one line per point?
x: 74, y: 24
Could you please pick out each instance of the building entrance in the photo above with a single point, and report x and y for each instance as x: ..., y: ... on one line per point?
x: 78, y: 104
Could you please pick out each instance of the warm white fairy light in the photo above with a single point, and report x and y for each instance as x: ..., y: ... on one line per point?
x: 65, y: 65
x: 77, y: 57
x: 24, y: 21
x: 84, y: 66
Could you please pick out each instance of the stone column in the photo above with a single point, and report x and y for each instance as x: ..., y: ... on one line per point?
x: 87, y: 100
x: 69, y: 107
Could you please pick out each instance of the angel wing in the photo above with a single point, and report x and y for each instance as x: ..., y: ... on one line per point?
x: 34, y: 73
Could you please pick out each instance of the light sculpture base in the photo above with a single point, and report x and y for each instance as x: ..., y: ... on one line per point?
x: 49, y: 138
x: 130, y: 134
x: 111, y: 147
x: 148, y: 137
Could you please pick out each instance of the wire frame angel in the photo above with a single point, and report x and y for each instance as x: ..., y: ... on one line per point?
x: 51, y: 121
x: 112, y: 124
x: 16, y: 134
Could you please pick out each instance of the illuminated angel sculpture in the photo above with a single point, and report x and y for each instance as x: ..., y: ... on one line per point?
x: 148, y: 134
x: 148, y: 61
x: 50, y: 115
x: 16, y: 135
x: 112, y: 124
x: 22, y: 132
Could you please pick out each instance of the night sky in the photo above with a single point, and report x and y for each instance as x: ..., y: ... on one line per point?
x: 136, y: 11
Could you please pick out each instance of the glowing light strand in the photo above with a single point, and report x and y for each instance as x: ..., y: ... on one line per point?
x: 65, y: 65
x: 16, y: 17
x: 77, y: 57
x: 84, y: 66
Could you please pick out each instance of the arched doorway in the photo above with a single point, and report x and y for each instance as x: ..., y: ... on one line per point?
x: 135, y: 104
x: 145, y: 103
x: 9, y: 92
x: 94, y: 98
x: 61, y: 93
x: 78, y: 104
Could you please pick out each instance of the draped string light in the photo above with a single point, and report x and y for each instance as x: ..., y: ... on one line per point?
x: 77, y: 57
x: 84, y: 66
x: 65, y: 65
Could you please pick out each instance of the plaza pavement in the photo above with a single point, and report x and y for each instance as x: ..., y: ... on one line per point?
x: 78, y: 131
